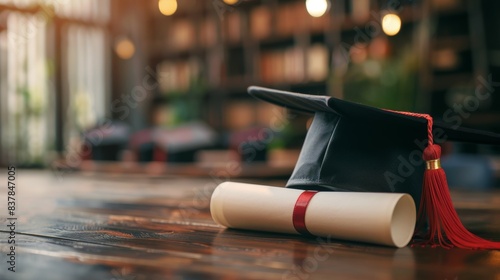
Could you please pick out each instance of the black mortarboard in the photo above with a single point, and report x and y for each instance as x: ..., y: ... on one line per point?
x: 352, y: 147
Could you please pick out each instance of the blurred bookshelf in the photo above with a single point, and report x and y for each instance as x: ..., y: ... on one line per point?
x: 276, y: 43
x: 207, y: 53
x: 460, y: 58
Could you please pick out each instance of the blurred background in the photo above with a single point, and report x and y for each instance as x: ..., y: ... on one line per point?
x: 159, y: 86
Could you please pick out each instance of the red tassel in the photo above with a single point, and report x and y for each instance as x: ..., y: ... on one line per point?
x: 436, y: 208
x: 444, y: 226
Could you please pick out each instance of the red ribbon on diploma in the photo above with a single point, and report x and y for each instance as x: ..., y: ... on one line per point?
x: 299, y: 212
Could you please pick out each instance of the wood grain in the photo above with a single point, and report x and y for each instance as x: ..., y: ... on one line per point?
x: 122, y: 227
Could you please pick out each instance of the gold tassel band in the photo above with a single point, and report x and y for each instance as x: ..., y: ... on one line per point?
x: 433, y: 164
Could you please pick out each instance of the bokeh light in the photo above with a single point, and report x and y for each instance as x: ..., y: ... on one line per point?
x: 391, y: 24
x: 317, y: 8
x: 231, y: 2
x: 124, y: 48
x: 167, y: 7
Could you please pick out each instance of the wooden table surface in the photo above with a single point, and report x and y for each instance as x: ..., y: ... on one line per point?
x: 134, y: 227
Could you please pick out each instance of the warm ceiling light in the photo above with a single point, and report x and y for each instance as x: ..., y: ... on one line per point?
x: 167, y: 7
x: 231, y: 2
x: 124, y: 48
x: 391, y: 24
x: 317, y: 8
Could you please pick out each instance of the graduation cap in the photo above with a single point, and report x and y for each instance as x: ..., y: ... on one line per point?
x: 352, y: 147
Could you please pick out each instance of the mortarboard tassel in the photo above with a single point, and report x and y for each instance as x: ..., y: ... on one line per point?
x: 436, y: 208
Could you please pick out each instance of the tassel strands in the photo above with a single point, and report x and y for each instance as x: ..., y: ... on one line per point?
x: 436, y: 208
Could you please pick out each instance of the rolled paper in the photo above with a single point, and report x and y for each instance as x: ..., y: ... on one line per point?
x: 380, y: 218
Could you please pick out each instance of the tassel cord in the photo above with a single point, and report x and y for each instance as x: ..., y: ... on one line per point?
x: 436, y: 207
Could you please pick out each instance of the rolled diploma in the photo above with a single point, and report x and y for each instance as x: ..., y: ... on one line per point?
x: 381, y: 218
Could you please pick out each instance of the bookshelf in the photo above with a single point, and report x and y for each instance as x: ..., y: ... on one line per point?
x: 275, y: 43
x: 460, y: 54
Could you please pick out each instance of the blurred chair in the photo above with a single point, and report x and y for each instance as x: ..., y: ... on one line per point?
x: 144, y: 148
x: 178, y: 144
x: 105, y: 142
x: 251, y: 144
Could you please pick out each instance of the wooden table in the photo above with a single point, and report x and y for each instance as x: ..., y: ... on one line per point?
x: 134, y: 227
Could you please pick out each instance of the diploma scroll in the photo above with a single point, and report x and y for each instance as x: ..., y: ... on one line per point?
x: 381, y: 218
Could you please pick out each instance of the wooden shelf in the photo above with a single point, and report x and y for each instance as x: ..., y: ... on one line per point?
x: 457, y: 43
